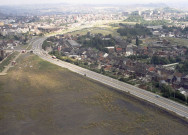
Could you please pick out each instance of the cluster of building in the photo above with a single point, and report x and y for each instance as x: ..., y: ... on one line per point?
x: 162, y: 32
x: 163, y: 14
x: 119, y: 62
x: 48, y: 23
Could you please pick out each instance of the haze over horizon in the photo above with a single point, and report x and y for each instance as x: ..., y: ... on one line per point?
x: 126, y: 2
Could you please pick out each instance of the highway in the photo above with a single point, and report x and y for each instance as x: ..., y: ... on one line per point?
x: 167, y: 104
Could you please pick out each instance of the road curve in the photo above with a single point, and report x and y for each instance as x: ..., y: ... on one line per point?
x: 167, y: 104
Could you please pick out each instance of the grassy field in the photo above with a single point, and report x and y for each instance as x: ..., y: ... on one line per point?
x: 96, y: 30
x: 39, y: 98
x: 7, y: 60
x: 178, y: 41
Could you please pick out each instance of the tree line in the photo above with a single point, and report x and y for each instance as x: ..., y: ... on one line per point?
x: 137, y: 30
x: 98, y: 41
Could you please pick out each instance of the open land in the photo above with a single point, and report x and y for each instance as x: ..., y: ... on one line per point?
x: 39, y: 98
x: 96, y: 30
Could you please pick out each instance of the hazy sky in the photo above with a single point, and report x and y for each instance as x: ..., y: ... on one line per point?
x: 18, y: 2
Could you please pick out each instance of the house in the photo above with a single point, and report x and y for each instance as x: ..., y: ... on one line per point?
x: 107, y: 67
x: 106, y: 39
x: 171, y: 35
x: 156, y: 33
x: 177, y: 77
x: 105, y: 55
x: 129, y: 50
x: 185, y: 85
x: 184, y: 82
x: 185, y: 78
x: 151, y: 69
x: 119, y: 50
x: 110, y: 49
x: 170, y: 79
x: 73, y: 43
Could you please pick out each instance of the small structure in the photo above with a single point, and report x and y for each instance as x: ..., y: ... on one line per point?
x: 73, y: 43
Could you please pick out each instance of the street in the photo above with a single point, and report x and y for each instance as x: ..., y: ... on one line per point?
x: 167, y: 104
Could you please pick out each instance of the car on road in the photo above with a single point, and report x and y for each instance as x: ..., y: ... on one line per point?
x: 157, y: 96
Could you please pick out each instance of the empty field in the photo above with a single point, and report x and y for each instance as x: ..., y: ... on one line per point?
x: 39, y: 98
x: 96, y: 30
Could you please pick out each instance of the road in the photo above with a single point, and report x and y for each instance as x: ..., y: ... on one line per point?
x: 167, y: 104
x: 9, y: 65
x: 4, y: 72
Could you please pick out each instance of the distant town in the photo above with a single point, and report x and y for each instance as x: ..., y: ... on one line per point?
x: 147, y: 48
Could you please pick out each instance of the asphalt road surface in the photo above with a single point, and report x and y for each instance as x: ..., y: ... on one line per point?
x: 167, y: 104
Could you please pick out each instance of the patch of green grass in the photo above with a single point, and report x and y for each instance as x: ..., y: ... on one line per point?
x: 26, y: 46
x: 44, y: 65
x: 178, y: 41
x: 96, y: 30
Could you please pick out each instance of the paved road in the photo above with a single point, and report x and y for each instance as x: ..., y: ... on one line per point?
x: 4, y: 72
x: 170, y: 105
x: 9, y: 65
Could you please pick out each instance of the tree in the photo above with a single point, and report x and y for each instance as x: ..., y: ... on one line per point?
x: 183, y: 68
x: 159, y: 60
x: 180, y: 96
x: 129, y: 40
x: 166, y: 90
x: 88, y: 34
x: 102, y: 70
x: 137, y: 30
x: 137, y: 41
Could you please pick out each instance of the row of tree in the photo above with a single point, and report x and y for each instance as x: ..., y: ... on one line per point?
x: 141, y: 20
x: 168, y: 92
x: 157, y: 60
x: 98, y: 41
x: 183, y: 68
x: 137, y: 30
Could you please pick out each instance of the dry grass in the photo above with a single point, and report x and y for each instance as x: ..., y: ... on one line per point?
x: 40, y: 98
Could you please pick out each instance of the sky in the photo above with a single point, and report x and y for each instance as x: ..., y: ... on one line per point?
x: 21, y: 2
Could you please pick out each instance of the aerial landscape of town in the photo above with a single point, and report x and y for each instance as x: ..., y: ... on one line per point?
x: 93, y: 68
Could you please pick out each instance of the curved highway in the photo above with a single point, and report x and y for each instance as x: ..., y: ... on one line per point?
x: 167, y: 104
